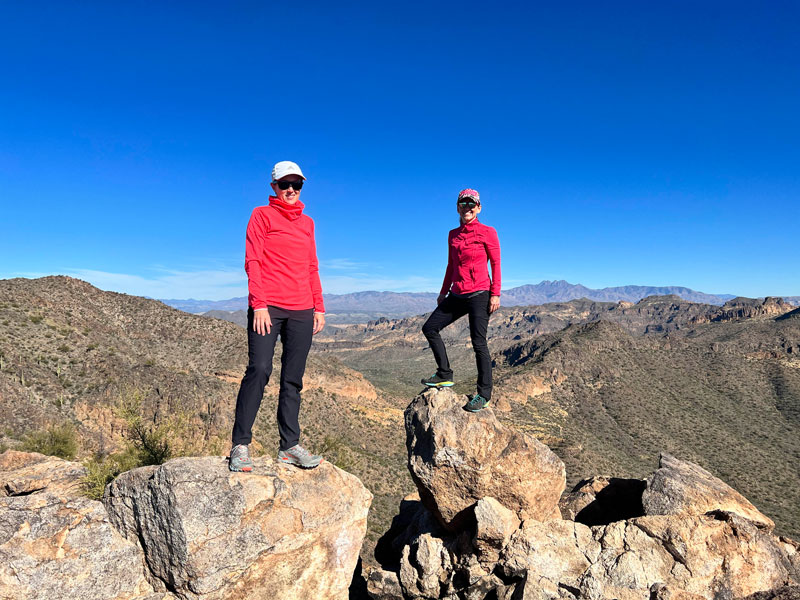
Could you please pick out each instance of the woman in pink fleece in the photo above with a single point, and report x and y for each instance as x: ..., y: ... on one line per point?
x: 285, y: 300
x: 467, y: 290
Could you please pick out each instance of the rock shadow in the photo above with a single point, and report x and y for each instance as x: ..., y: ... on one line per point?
x: 620, y: 500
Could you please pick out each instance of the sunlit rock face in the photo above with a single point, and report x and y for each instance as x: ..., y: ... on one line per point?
x: 279, y: 532
x: 457, y: 458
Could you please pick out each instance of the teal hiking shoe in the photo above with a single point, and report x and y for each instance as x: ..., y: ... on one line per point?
x: 300, y: 457
x: 240, y: 460
x: 476, y: 403
x: 437, y: 382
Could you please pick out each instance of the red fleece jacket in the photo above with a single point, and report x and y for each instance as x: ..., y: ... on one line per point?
x: 281, y: 258
x: 469, y: 248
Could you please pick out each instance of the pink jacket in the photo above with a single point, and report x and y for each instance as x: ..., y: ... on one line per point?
x: 281, y: 258
x: 469, y: 248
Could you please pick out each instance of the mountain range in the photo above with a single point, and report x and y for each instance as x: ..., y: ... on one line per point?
x: 360, y: 307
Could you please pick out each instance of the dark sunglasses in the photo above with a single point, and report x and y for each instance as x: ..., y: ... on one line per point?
x: 285, y: 185
x: 468, y: 203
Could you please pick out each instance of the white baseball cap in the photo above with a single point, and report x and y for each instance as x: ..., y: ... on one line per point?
x: 284, y: 168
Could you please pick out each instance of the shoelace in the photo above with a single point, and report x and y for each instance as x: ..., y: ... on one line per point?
x: 300, y: 451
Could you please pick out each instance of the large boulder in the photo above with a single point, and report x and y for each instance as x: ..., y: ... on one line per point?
x: 279, y: 532
x: 683, y: 488
x: 57, y: 545
x: 457, y: 457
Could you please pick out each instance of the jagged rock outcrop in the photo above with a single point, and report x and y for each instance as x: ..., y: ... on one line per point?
x: 739, y: 309
x: 683, y: 488
x: 681, y: 534
x: 56, y: 545
x: 456, y: 458
x: 280, y: 532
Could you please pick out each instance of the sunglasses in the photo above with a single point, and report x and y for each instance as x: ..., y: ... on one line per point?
x: 285, y: 185
x: 468, y: 203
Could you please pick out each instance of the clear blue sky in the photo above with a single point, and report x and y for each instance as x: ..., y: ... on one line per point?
x: 613, y: 143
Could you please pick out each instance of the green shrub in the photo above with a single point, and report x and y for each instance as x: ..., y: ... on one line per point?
x: 149, y: 440
x: 146, y: 443
x: 36, y: 319
x: 102, y: 470
x: 58, y: 440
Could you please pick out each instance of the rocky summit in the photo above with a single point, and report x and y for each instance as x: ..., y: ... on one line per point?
x: 679, y: 534
x: 187, y: 529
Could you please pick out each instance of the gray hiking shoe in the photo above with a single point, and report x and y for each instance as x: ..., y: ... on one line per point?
x: 299, y: 456
x: 476, y: 403
x: 239, y: 460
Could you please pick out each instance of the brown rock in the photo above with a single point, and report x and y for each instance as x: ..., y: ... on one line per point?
x: 502, y: 405
x: 23, y: 473
x: 550, y: 555
x: 384, y: 585
x: 700, y: 555
x: 660, y: 591
x: 785, y: 592
x: 792, y: 549
x: 683, y: 488
x: 55, y: 547
x: 456, y: 458
x: 279, y: 532
x: 425, y: 567
x: 494, y: 526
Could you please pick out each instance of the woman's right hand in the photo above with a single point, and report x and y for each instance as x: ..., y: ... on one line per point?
x: 262, y: 324
x: 441, y: 298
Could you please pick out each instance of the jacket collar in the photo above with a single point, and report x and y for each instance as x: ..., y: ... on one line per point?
x: 470, y: 226
x: 290, y: 211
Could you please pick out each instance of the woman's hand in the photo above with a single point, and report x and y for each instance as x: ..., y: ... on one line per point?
x: 319, y: 322
x: 494, y: 304
x: 262, y: 324
x: 441, y: 298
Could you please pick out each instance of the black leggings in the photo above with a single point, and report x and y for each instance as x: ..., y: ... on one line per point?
x: 295, y: 328
x: 450, y: 310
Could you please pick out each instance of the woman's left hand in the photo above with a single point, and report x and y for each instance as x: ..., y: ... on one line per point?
x: 494, y: 304
x: 319, y: 322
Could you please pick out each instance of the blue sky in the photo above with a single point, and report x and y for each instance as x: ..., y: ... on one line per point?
x: 613, y: 143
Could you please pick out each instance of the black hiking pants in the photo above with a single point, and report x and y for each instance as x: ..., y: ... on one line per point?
x: 295, y: 328
x: 450, y: 310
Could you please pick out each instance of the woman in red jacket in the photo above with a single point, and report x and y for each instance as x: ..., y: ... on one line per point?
x: 471, y: 292
x: 285, y: 299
